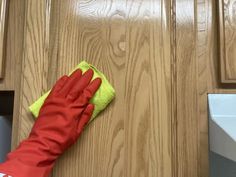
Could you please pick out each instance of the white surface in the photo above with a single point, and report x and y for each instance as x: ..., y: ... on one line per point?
x: 222, y: 124
x: 229, y: 125
x: 5, y: 136
x: 222, y: 105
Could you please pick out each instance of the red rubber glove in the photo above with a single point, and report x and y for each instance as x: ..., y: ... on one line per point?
x: 60, y: 123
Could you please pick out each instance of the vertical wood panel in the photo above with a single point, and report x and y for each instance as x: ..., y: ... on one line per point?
x: 35, y: 61
x: 130, y: 42
x: 13, y: 45
x: 149, y: 90
x: 101, y: 42
x: 3, y: 16
x: 187, y: 87
x: 13, y: 56
x: 204, y: 46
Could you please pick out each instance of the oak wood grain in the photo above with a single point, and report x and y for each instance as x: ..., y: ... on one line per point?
x: 187, y: 127
x: 130, y: 42
x: 206, y: 75
x: 149, y: 127
x: 162, y: 60
x: 13, y: 45
x: 209, y: 73
x: 227, y: 36
x: 204, y: 35
x: 13, y: 57
x: 3, y: 16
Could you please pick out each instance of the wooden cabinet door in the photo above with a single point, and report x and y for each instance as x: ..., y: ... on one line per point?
x: 129, y: 41
x: 3, y: 15
x: 227, y: 40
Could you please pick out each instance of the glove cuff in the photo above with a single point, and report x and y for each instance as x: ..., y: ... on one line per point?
x: 16, y: 168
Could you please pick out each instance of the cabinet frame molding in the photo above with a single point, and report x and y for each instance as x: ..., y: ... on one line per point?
x: 224, y: 70
x: 3, y: 24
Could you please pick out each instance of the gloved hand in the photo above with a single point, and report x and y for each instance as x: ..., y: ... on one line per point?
x: 60, y: 123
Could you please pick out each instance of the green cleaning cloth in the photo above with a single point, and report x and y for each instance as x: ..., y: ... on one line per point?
x: 104, y: 95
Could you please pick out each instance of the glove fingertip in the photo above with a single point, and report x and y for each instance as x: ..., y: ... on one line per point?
x: 76, y: 73
x: 98, y: 82
x: 93, y: 87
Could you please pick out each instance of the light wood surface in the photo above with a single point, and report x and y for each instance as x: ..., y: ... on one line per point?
x: 162, y: 58
x: 13, y: 58
x: 227, y: 36
x: 187, y: 127
x: 13, y: 45
x: 205, y: 75
x: 130, y: 43
x: 3, y: 15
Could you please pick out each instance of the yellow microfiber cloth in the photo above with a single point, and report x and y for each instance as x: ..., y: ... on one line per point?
x: 104, y: 95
